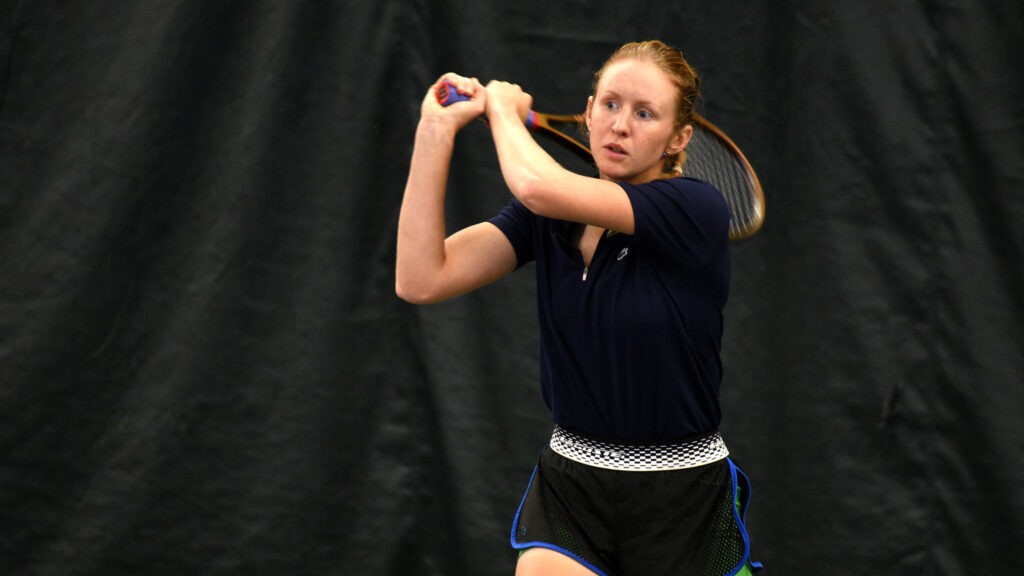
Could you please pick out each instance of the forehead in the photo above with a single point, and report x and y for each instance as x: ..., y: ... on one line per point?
x: 637, y: 79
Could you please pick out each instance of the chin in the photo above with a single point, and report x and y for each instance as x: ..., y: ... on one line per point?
x: 615, y: 172
x: 620, y: 173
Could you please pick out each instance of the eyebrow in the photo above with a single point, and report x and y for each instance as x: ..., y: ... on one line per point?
x: 614, y: 94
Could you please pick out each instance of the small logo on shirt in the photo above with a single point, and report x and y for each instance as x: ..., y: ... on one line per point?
x: 623, y: 253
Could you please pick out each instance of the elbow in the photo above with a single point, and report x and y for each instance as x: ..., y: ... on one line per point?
x: 532, y: 193
x: 408, y: 294
x: 414, y: 293
x: 543, y: 192
x: 416, y: 281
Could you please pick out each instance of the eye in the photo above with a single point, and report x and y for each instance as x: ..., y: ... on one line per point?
x: 611, y: 105
x: 644, y: 114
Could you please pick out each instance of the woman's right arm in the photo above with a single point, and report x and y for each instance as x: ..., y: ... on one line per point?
x: 431, y: 267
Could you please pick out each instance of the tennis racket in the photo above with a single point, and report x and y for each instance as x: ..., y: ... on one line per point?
x: 711, y: 156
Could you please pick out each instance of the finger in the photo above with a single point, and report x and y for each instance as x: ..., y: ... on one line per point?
x: 463, y: 85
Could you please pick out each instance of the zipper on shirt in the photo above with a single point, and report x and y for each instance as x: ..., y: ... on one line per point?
x: 586, y: 267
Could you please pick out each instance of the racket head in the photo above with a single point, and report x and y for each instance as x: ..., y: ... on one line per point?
x: 711, y: 156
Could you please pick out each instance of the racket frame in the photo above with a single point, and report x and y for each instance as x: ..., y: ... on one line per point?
x: 540, y: 122
x: 545, y: 124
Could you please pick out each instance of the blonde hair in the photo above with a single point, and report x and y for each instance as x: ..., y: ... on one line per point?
x: 683, y: 76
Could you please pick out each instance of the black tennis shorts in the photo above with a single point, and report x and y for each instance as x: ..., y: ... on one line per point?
x: 621, y: 514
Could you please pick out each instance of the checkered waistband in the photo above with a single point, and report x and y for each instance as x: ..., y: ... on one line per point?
x: 637, y: 457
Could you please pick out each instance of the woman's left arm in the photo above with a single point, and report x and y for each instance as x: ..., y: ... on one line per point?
x: 538, y: 181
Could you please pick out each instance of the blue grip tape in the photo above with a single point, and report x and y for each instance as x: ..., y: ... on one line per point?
x: 447, y: 94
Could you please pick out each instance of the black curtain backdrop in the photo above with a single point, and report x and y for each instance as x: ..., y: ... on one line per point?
x: 204, y: 368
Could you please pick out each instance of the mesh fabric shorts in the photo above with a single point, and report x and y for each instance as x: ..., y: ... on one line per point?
x: 623, y: 522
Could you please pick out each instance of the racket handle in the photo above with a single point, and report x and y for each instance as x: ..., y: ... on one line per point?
x: 447, y: 95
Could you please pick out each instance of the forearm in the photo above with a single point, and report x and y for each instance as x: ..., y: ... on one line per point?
x: 420, y: 253
x: 547, y: 189
x: 530, y: 173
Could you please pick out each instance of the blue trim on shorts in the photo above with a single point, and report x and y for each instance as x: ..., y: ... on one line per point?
x: 739, y: 512
x: 539, y: 544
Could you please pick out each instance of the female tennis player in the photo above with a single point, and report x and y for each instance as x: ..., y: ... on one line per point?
x: 633, y: 274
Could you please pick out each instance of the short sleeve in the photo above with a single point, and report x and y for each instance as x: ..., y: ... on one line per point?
x: 518, y: 223
x: 684, y: 220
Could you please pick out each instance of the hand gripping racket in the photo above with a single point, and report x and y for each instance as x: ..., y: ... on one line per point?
x: 711, y: 156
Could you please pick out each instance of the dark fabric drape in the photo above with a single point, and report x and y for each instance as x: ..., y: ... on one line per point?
x: 204, y: 368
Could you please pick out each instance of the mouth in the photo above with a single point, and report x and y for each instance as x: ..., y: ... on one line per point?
x: 615, y: 149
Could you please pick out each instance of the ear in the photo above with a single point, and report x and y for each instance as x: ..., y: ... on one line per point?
x: 679, y: 140
x: 586, y: 116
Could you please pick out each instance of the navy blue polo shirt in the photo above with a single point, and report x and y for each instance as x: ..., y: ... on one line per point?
x: 630, y: 346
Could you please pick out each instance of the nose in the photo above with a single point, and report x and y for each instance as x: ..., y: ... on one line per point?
x: 621, y: 124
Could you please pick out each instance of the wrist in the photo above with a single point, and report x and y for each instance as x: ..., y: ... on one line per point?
x: 503, y: 114
x: 437, y: 128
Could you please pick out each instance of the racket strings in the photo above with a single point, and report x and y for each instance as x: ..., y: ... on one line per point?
x: 710, y: 160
